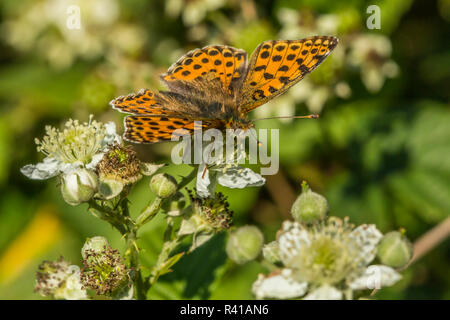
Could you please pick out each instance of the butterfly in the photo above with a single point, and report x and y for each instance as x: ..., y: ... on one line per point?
x: 218, y: 86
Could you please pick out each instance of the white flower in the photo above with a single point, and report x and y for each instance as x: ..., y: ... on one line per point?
x: 60, y: 280
x: 72, y: 288
x: 76, y: 146
x: 280, y: 286
x: 324, y: 292
x: 371, y: 53
x: 226, y: 172
x: 193, y: 12
x: 375, y: 277
x: 230, y: 176
x: 333, y: 257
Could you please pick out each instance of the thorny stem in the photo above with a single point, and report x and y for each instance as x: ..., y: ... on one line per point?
x: 169, y: 244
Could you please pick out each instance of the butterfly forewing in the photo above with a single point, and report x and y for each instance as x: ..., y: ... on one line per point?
x: 143, y: 102
x: 275, y: 66
x: 225, y: 63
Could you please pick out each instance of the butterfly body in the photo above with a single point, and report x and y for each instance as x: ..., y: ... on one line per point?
x: 216, y: 85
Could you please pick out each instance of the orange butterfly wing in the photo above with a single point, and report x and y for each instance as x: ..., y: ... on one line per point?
x: 275, y: 66
x: 151, y: 129
x: 143, y: 102
x: 226, y: 63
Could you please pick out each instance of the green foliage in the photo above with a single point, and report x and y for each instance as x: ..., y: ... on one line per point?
x: 381, y: 157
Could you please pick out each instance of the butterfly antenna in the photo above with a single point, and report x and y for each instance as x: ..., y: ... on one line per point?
x: 311, y: 116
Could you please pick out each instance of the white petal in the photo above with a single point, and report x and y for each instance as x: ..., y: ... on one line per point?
x: 238, y: 177
x: 206, y: 185
x: 324, y: 292
x: 279, y: 286
x: 375, y: 277
x: 293, y: 237
x: 111, y: 135
x: 48, y: 168
x: 96, y: 158
x: 72, y: 288
x: 148, y: 169
x: 367, y: 238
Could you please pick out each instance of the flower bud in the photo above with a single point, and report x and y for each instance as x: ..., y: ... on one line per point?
x: 78, y: 186
x: 174, y: 205
x: 109, y: 188
x: 163, y: 185
x: 309, y: 206
x: 271, y: 252
x: 394, y: 249
x: 244, y: 244
x: 96, y: 244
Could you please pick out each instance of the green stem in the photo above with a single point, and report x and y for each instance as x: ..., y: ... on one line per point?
x: 149, y: 212
x: 185, y: 181
x: 107, y: 214
x: 166, y: 250
x: 132, y: 251
x: 132, y: 254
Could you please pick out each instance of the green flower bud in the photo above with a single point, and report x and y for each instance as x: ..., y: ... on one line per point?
x: 96, y: 244
x: 244, y: 244
x: 309, y: 206
x: 395, y: 250
x: 271, y: 252
x: 110, y: 188
x: 174, y: 205
x: 163, y: 185
x: 78, y: 186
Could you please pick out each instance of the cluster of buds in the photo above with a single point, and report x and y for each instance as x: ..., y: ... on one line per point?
x: 103, y: 268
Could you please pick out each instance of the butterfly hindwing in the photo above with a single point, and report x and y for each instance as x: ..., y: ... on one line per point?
x: 275, y: 66
x: 151, y: 129
x: 225, y: 63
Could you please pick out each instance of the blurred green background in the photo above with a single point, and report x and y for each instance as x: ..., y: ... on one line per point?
x: 380, y: 151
